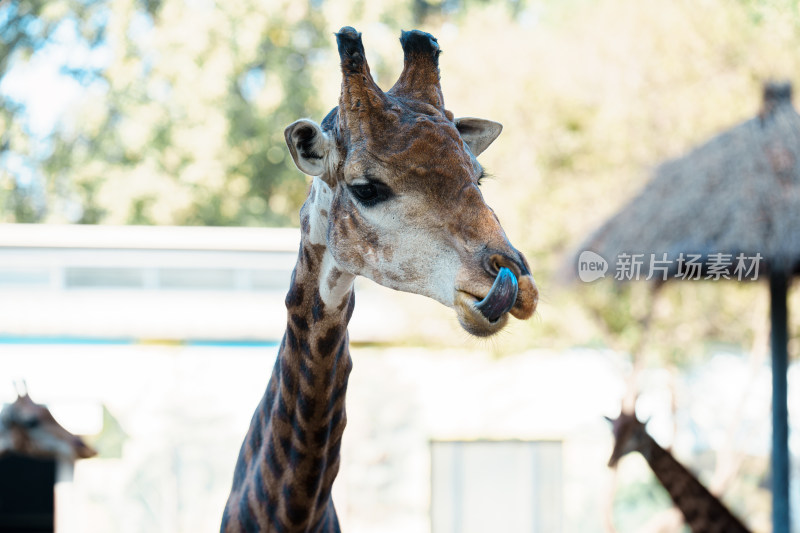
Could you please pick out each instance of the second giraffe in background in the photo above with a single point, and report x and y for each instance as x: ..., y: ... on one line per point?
x: 703, y: 512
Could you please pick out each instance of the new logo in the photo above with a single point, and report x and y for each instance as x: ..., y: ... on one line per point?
x: 591, y: 266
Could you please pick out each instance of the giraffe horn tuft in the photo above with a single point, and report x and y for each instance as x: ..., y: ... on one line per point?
x: 420, y: 42
x: 351, y: 49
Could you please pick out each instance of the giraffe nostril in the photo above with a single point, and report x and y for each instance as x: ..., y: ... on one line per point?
x: 496, y: 261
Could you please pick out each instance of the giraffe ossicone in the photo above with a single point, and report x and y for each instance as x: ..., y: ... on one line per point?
x: 394, y: 198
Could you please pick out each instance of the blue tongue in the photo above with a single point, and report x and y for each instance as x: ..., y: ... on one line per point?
x: 501, y: 296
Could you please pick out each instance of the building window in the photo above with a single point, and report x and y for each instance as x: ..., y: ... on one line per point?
x: 103, y: 277
x: 480, y: 486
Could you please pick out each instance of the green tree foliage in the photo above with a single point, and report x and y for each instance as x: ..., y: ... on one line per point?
x: 190, y: 129
x: 182, y: 125
x: 27, y: 27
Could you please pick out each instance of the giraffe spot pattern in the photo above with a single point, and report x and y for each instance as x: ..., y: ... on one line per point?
x: 297, y: 437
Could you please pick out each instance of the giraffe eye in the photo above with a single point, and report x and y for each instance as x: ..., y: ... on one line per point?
x: 370, y: 193
x: 30, y: 423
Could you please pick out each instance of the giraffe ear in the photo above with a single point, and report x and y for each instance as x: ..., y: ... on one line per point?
x: 311, y: 148
x: 478, y: 133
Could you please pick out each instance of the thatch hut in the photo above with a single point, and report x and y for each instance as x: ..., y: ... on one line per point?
x: 737, y: 193
x: 732, y: 206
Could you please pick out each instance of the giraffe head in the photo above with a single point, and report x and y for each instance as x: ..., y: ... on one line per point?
x: 401, y: 178
x: 28, y: 428
x: 629, y: 436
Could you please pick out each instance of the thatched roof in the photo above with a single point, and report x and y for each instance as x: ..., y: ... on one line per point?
x: 737, y: 193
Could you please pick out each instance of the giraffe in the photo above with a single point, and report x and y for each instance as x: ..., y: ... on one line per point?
x: 703, y: 512
x: 394, y: 198
x: 28, y: 428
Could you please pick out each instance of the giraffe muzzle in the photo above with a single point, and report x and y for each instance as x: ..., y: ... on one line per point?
x: 501, y: 297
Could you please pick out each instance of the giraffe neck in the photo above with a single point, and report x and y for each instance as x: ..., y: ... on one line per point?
x: 290, y: 456
x: 703, y: 512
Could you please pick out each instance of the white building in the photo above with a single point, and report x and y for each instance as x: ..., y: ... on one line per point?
x: 161, y: 341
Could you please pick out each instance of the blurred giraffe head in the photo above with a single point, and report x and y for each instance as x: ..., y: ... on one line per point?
x: 397, y: 190
x: 629, y: 436
x: 28, y: 428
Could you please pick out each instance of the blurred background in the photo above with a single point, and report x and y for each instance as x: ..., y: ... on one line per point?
x: 148, y: 205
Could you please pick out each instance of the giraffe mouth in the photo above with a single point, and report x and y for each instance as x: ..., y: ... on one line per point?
x: 487, y: 316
